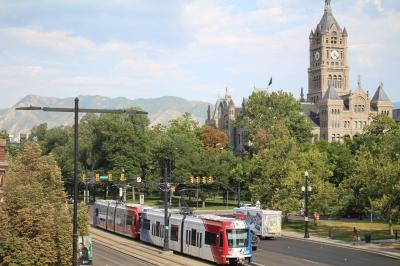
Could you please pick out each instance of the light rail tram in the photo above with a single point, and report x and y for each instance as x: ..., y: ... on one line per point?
x: 218, y: 239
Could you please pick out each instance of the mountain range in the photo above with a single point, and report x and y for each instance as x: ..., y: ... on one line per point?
x: 160, y: 110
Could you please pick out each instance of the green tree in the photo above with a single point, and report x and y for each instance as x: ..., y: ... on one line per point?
x: 376, y: 176
x: 265, y: 110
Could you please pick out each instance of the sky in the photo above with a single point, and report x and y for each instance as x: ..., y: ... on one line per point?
x: 187, y: 48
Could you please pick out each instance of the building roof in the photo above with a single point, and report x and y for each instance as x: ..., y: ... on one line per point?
x: 331, y: 94
x: 311, y: 113
x: 327, y: 20
x: 380, y: 95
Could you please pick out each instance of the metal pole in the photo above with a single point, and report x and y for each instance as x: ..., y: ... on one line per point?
x: 227, y: 198
x: 197, y: 196
x: 239, y: 195
x: 166, y: 223
x: 94, y: 192
x: 75, y: 226
x: 306, y: 234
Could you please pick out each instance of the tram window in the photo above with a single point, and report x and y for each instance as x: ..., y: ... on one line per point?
x: 221, y: 239
x: 158, y: 229
x: 237, y: 238
x: 210, y: 239
x: 174, y: 232
x: 201, y: 238
x: 187, y: 237
x: 97, y: 212
x: 128, y: 220
x: 193, y: 238
x: 146, y: 224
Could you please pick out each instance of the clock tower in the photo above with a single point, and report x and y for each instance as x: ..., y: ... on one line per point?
x: 328, y: 58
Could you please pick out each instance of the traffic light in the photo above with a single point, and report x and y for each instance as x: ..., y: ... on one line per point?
x: 197, y: 179
x: 173, y: 189
x: 210, y: 179
x: 110, y: 177
x: 122, y: 177
x: 83, y: 177
x: 204, y: 180
x: 97, y: 177
x: 191, y: 179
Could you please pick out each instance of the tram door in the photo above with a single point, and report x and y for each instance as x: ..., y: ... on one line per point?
x: 195, y: 238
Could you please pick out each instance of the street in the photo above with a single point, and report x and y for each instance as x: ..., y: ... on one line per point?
x: 288, y: 251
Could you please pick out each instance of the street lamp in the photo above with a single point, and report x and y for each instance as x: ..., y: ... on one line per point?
x: 306, y: 189
x: 76, y: 110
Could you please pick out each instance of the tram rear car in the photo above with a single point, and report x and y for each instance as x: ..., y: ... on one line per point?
x: 118, y: 218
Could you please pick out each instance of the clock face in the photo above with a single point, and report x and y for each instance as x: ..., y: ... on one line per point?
x: 317, y: 56
x: 335, y: 55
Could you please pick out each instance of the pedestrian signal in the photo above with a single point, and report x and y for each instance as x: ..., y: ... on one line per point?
x: 110, y: 177
x: 191, y: 179
x: 204, y: 180
x: 83, y: 176
x: 97, y: 177
x: 197, y: 179
x: 210, y: 179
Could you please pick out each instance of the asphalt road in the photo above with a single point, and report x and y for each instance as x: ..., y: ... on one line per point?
x: 105, y: 256
x: 286, y: 251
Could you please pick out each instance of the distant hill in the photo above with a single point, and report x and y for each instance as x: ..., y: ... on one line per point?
x: 160, y: 110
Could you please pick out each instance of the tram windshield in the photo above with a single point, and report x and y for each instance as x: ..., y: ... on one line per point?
x: 237, y: 238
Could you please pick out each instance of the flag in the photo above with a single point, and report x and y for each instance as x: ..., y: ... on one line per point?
x: 270, y: 82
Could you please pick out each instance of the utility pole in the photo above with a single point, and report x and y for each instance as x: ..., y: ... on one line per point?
x: 76, y: 110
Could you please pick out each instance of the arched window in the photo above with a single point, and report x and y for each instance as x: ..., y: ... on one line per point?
x: 330, y: 80
x: 335, y: 81
x: 340, y: 81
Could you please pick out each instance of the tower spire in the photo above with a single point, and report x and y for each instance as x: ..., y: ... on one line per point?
x: 327, y: 3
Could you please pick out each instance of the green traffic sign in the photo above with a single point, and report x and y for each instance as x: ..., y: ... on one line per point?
x: 104, y: 178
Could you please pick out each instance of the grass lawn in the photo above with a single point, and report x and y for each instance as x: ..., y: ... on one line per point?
x: 342, y: 229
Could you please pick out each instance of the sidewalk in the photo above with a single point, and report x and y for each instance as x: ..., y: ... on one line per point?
x: 374, y: 247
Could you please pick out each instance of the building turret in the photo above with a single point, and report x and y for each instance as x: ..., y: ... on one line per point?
x: 381, y: 103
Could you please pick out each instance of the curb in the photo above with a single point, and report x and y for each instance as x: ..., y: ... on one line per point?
x: 383, y: 253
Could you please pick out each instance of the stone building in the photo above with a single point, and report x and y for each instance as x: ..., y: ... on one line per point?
x: 333, y: 109
x: 222, y: 116
x: 3, y: 165
x: 337, y: 110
